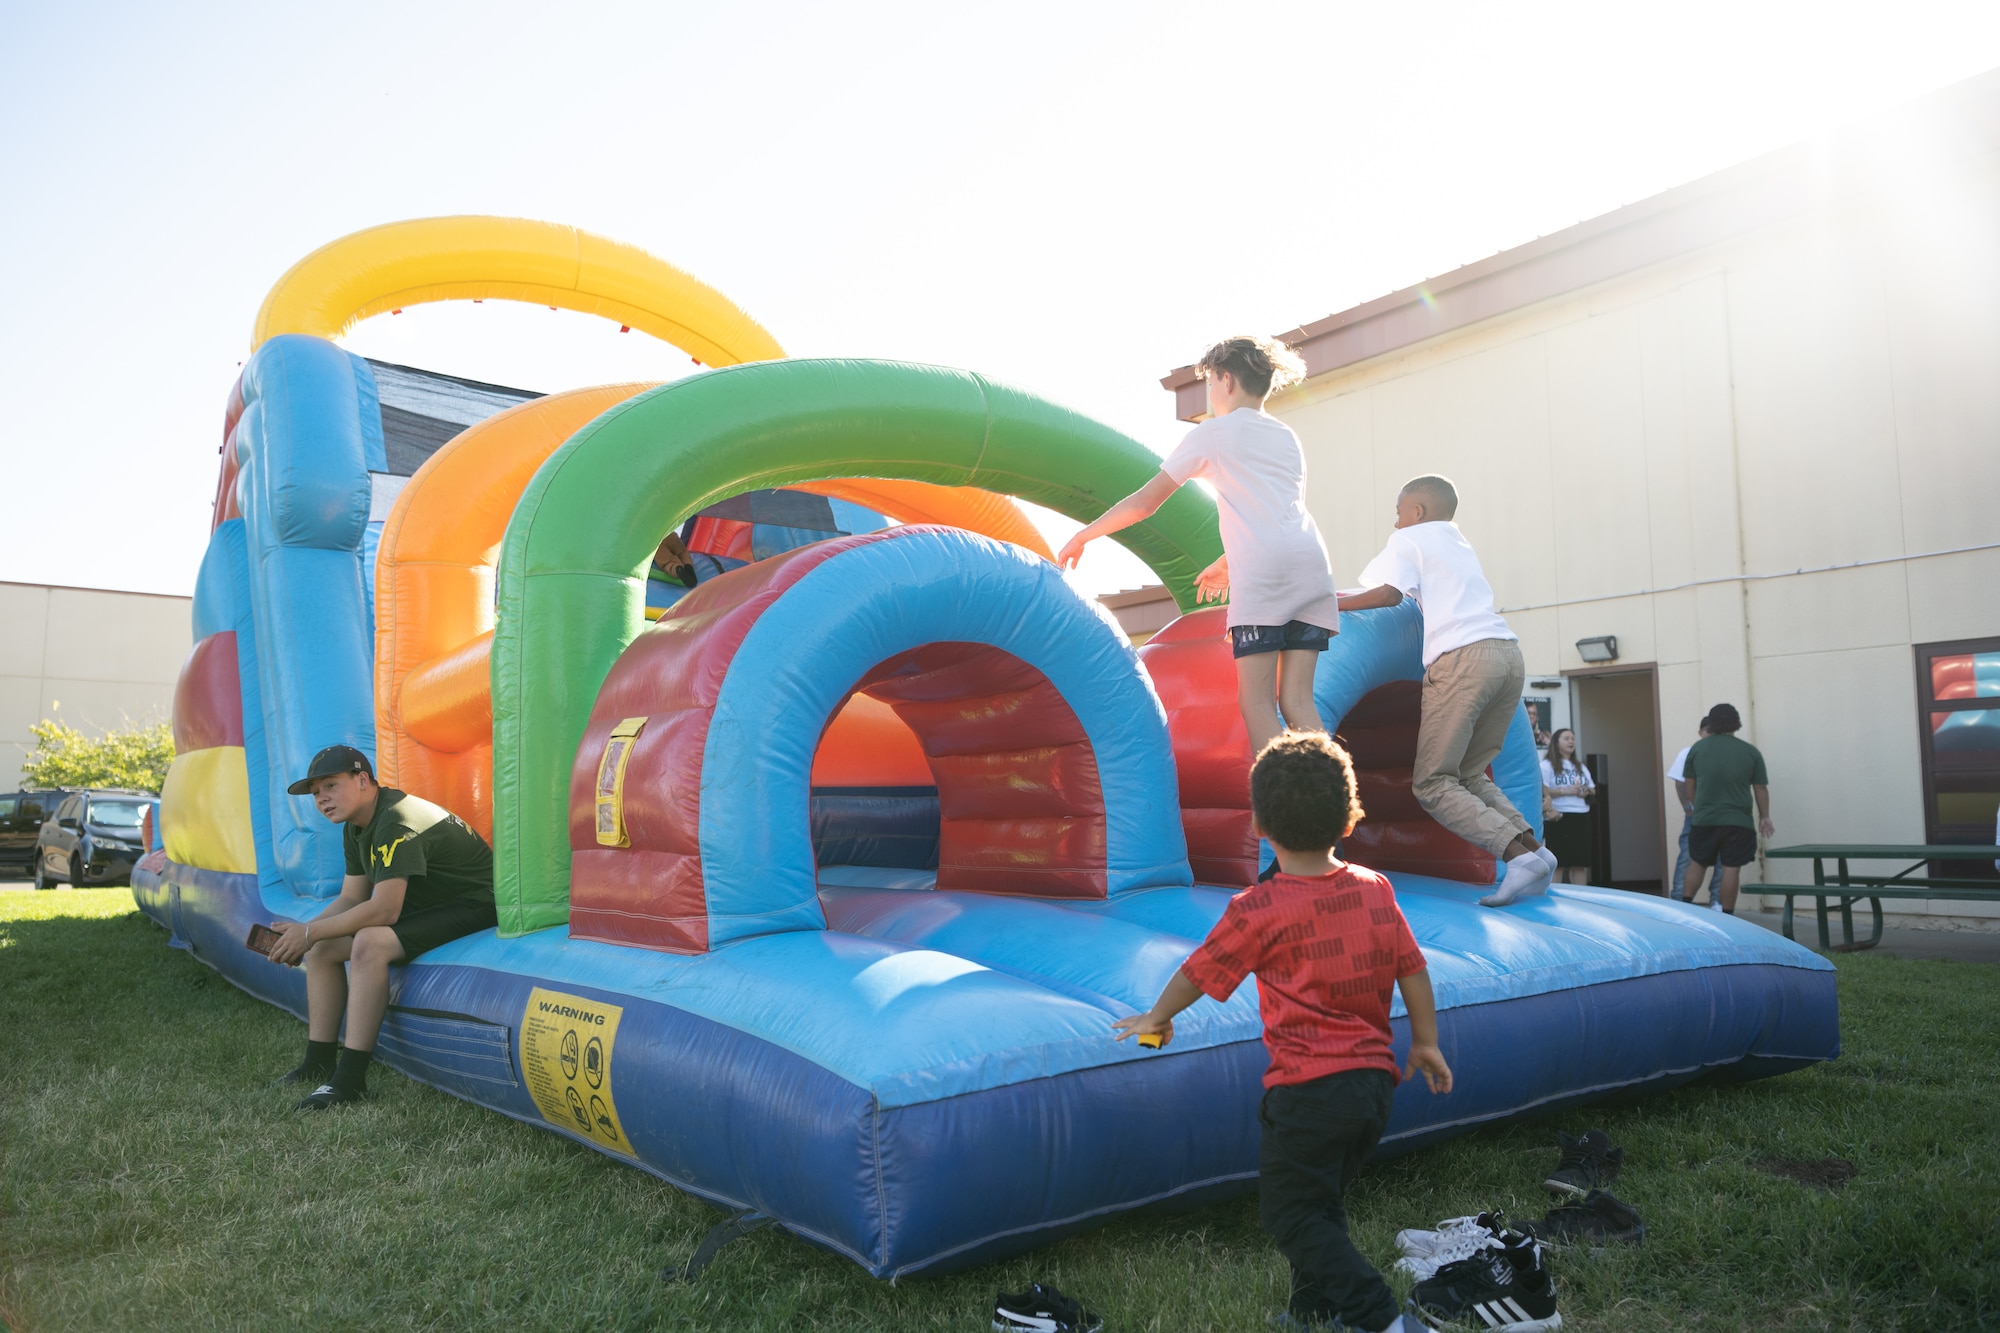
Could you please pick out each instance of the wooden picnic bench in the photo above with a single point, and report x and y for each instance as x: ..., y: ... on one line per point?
x: 1848, y: 886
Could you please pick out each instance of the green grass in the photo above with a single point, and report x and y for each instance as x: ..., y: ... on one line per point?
x: 149, y: 1178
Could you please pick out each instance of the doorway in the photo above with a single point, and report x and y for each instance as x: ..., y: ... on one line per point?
x: 1617, y: 721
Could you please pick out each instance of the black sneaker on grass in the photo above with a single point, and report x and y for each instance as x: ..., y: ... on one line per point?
x: 1041, y: 1309
x: 1588, y: 1163
x: 1601, y: 1219
x: 325, y: 1097
x: 1506, y: 1290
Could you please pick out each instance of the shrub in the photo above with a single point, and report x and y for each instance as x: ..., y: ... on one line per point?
x: 135, y: 756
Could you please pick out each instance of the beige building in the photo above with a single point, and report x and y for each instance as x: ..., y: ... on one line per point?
x: 1750, y: 428
x: 107, y: 658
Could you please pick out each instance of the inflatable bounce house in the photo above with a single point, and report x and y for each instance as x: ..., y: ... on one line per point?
x: 825, y: 866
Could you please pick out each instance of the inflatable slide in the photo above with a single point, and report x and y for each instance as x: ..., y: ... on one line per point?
x: 823, y: 873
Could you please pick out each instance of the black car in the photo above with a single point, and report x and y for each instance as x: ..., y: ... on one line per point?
x: 93, y: 838
x: 22, y: 814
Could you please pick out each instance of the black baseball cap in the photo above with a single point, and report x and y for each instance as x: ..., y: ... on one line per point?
x: 333, y: 759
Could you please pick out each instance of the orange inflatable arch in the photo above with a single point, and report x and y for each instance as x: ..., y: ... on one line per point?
x: 434, y: 597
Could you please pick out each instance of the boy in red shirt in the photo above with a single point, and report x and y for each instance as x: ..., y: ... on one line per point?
x: 1327, y: 943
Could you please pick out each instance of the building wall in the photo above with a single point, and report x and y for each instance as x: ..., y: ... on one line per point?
x: 1820, y: 393
x: 108, y: 659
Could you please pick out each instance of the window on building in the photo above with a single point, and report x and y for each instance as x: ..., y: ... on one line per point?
x: 1958, y: 689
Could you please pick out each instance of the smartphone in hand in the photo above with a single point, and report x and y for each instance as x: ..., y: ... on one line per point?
x: 261, y: 939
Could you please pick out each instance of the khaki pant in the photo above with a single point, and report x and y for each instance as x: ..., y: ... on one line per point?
x: 1470, y: 697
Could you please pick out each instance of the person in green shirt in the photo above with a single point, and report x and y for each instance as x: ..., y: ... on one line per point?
x: 417, y: 877
x: 1724, y: 774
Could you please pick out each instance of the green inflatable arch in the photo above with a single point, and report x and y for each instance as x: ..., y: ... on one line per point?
x: 572, y: 568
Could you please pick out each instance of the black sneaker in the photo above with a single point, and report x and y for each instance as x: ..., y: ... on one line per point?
x: 1506, y: 1290
x: 1601, y: 1219
x: 1042, y: 1309
x: 325, y: 1097
x: 1588, y: 1163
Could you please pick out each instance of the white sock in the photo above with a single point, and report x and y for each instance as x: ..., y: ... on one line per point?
x: 1527, y: 876
x: 1548, y: 858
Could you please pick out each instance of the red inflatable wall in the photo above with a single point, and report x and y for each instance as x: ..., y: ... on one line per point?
x: 1195, y: 676
x: 1380, y: 734
x: 1020, y: 798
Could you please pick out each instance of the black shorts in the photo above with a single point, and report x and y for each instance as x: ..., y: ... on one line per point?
x: 1732, y: 844
x: 428, y: 927
x: 1292, y: 636
x: 1573, y: 838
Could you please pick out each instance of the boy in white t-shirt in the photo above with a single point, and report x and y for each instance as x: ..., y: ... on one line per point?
x: 1473, y: 676
x: 1677, y: 773
x: 1283, y: 607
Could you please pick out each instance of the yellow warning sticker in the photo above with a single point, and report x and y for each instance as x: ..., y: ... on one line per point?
x: 566, y: 1047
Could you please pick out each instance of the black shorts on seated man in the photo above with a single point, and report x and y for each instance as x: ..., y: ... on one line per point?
x: 417, y: 876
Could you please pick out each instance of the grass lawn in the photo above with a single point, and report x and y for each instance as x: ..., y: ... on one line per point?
x: 150, y: 1178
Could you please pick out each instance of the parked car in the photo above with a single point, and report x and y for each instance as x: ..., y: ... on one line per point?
x: 93, y: 838
x: 22, y: 814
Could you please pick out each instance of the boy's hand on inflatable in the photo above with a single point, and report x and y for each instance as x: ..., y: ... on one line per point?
x: 1430, y: 1061
x: 1145, y: 1025
x: 1212, y: 584
x: 1072, y: 551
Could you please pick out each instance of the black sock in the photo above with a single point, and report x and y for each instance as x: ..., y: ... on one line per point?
x: 320, y: 1056
x: 351, y: 1074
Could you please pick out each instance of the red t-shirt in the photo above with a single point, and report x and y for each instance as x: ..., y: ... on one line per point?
x: 1327, y: 952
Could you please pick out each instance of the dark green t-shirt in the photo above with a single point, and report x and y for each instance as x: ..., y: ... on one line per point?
x: 441, y: 856
x: 1724, y: 770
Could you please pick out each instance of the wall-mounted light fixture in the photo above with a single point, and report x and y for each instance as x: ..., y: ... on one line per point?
x: 1604, y: 648
x: 1546, y: 684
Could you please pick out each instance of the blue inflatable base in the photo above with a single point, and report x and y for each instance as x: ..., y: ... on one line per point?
x: 930, y: 1083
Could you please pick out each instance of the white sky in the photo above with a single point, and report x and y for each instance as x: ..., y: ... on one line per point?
x: 1076, y: 197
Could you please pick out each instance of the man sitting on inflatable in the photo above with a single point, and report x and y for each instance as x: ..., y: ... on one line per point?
x: 417, y: 876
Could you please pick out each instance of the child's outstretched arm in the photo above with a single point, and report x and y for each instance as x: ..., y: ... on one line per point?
x: 1372, y: 600
x: 1424, y: 1052
x: 1139, y: 505
x: 1159, y: 1020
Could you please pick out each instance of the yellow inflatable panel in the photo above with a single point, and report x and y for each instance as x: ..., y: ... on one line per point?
x: 205, y: 811
x: 509, y: 259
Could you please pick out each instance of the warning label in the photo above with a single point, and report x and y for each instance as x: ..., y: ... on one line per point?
x: 566, y: 1047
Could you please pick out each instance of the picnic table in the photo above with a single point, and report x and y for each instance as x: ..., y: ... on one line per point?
x: 1849, y: 886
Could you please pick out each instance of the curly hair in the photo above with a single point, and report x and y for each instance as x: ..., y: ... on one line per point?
x: 1302, y: 791
x: 1259, y: 364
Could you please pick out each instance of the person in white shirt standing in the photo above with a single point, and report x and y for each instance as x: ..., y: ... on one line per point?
x: 1677, y: 773
x: 1567, y: 786
x: 1283, y: 608
x: 1473, y: 677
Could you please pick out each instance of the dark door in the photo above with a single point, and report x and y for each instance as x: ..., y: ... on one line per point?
x: 1617, y: 721
x: 62, y: 837
x: 24, y: 825
x: 1958, y: 693
x: 13, y: 847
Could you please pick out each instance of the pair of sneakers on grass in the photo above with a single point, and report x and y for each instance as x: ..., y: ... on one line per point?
x: 1479, y: 1269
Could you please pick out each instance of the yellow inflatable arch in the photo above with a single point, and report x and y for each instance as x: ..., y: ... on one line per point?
x: 511, y: 259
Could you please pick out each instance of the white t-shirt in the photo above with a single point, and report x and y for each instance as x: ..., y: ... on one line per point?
x: 1434, y: 563
x: 1278, y: 570
x: 1678, y: 770
x: 1574, y: 777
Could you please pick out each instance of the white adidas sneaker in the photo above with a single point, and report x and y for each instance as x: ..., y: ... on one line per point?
x: 1419, y: 1243
x: 1458, y: 1245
